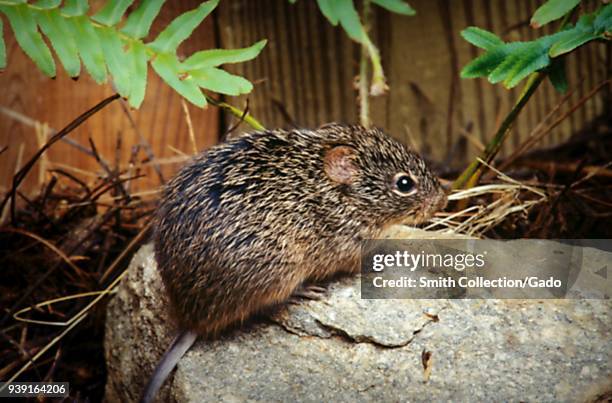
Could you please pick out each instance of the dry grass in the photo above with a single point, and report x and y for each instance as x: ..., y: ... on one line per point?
x: 505, y: 198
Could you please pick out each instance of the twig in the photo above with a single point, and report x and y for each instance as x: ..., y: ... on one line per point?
x: 53, y: 366
x: 36, y: 207
x: 48, y: 303
x: 73, y: 178
x: 39, y: 280
x: 32, y: 123
x: 47, y: 191
x: 594, y: 171
x: 4, y: 212
x: 285, y: 113
x: 132, y: 165
x: 96, y: 155
x: 567, y: 188
x: 539, y: 133
x: 570, y: 168
x: 189, y: 126
x: 82, y: 314
x: 20, y: 176
x: 539, y: 128
x: 235, y: 126
x: 42, y: 351
x: 110, y: 174
x: 45, y: 242
x: 105, y: 187
x: 118, y: 149
x: 42, y: 133
x: 142, y: 141
x: 179, y: 152
x: 123, y: 254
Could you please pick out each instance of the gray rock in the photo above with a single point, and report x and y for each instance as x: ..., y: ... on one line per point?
x: 347, y: 349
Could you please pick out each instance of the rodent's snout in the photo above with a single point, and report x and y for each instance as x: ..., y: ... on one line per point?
x: 434, y: 203
x: 440, y: 201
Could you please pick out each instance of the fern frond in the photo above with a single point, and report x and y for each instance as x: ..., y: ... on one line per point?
x: 509, y: 63
x: 109, y: 48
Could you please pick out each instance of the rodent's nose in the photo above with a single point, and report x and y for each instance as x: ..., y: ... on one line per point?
x: 441, y: 201
x: 437, y: 202
x: 434, y: 203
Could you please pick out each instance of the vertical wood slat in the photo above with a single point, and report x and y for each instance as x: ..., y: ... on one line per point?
x: 422, y: 56
x: 307, y: 65
x: 160, y: 119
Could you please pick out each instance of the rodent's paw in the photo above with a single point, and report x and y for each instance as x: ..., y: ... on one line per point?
x: 307, y: 292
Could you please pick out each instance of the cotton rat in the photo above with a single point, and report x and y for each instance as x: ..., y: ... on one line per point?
x: 248, y: 222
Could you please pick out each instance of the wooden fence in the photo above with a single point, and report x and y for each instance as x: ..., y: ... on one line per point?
x: 305, y: 77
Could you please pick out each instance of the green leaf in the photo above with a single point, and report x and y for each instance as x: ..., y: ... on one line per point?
x: 524, y: 58
x: 88, y: 44
x: 483, y: 65
x: 585, y: 22
x: 74, y: 8
x: 328, y: 9
x: 115, y: 59
x: 526, y: 66
x: 395, y: 6
x: 55, y: 27
x: 221, y: 81
x: 557, y: 76
x: 137, y: 52
x: 2, y: 47
x: 552, y: 10
x: 481, y: 38
x: 167, y: 67
x: 139, y: 22
x: 349, y: 19
x: 216, y: 57
x: 26, y: 32
x: 181, y: 27
x: 570, y: 41
x: 112, y: 12
x: 603, y: 21
x: 507, y: 65
x: 47, y: 4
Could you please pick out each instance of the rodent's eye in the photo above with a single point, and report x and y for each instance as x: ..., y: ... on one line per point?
x: 404, y: 184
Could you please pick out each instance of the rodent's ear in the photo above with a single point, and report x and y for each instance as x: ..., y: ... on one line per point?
x: 339, y: 164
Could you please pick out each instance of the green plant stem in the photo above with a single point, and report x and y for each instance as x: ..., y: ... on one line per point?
x: 472, y: 173
x: 364, y: 93
x: 250, y: 120
x: 379, y: 82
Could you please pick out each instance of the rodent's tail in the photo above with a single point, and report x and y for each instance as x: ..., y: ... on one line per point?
x: 181, y: 343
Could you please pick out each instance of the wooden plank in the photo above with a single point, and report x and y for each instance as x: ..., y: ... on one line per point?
x: 160, y: 120
x: 302, y: 73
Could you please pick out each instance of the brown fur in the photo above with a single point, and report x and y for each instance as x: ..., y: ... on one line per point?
x: 249, y: 221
